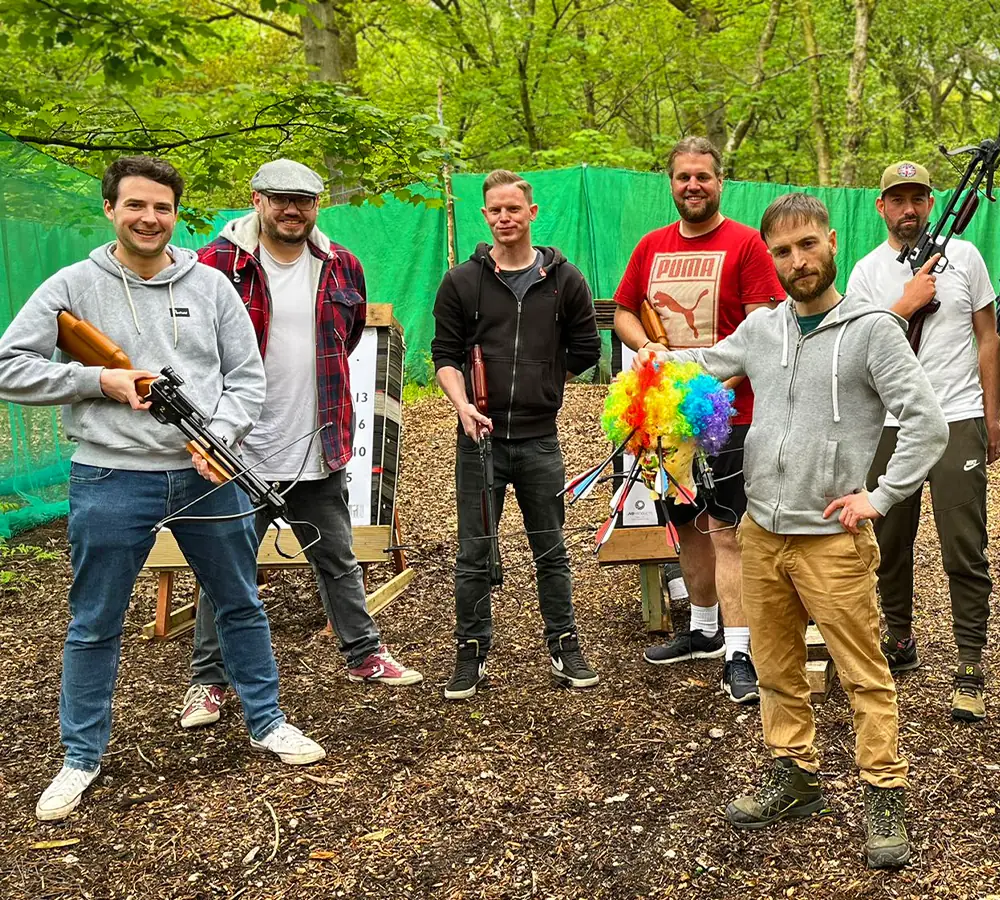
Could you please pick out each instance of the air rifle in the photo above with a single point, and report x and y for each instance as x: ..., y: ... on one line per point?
x: 489, y: 508
x: 170, y: 405
x: 957, y: 214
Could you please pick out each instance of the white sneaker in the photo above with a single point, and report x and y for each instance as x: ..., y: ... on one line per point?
x: 290, y: 745
x: 63, y: 796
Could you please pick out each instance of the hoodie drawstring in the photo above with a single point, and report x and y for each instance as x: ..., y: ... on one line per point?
x: 131, y: 305
x: 784, y: 342
x: 135, y: 315
x: 836, y: 356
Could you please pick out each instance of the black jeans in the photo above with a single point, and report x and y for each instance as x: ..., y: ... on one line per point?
x: 338, y: 577
x: 535, y: 469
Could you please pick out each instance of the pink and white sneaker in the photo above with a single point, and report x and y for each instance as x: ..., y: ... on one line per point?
x: 202, y: 703
x: 380, y: 666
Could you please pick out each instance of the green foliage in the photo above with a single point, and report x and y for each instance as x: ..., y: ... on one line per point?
x: 15, y: 559
x: 219, y: 87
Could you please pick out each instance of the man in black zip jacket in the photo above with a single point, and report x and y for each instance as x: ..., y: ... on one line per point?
x: 531, y: 312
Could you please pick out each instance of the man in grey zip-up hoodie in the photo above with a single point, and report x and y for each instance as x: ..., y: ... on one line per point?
x: 129, y: 472
x: 824, y: 371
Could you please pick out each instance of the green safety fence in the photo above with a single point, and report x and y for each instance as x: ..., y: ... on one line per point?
x: 51, y: 215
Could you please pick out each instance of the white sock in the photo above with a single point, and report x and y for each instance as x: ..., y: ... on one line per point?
x: 737, y: 641
x: 705, y: 619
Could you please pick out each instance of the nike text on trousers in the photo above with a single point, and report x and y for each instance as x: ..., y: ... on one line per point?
x: 958, y: 494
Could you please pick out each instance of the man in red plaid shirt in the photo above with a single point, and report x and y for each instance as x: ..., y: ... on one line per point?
x: 302, y: 291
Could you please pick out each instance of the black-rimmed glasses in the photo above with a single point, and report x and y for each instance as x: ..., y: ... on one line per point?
x: 303, y: 202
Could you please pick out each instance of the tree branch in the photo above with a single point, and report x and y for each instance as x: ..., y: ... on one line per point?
x: 260, y: 20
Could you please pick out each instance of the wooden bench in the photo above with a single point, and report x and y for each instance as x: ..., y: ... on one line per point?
x: 372, y: 544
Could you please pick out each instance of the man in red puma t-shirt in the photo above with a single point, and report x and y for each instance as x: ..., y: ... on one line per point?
x: 704, y: 275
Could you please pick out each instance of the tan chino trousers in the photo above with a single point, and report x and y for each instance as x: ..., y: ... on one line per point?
x: 788, y: 579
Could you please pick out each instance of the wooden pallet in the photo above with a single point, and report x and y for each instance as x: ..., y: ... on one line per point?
x: 820, y: 669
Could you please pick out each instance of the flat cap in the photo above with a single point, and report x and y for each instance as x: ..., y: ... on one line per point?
x: 284, y: 176
x: 904, y: 172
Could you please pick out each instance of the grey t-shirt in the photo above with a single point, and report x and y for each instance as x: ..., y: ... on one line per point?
x: 519, y: 280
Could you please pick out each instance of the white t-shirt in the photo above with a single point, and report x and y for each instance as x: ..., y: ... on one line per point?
x: 947, y: 346
x: 291, y: 406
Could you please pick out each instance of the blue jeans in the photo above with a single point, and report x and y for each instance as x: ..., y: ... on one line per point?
x: 535, y: 470
x: 323, y: 502
x: 111, y: 514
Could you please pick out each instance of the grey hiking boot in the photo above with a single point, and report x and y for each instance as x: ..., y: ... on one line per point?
x: 787, y: 791
x: 888, y: 845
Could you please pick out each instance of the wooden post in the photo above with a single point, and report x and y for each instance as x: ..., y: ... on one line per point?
x: 655, y: 599
x: 164, y: 599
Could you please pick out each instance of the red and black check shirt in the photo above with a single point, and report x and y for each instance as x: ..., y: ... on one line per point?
x: 341, y: 308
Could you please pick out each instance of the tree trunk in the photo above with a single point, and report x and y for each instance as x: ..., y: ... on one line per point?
x: 747, y: 119
x: 854, y: 107
x: 820, y: 135
x: 330, y: 42
x: 590, y: 101
x: 331, y: 49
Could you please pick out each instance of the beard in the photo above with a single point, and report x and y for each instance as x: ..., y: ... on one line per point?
x: 906, y: 232
x: 695, y: 216
x: 824, y: 277
x: 290, y: 232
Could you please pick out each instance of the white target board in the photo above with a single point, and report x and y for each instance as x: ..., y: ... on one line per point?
x: 640, y: 507
x: 359, y: 469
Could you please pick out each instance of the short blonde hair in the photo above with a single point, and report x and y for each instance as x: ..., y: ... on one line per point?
x: 499, y: 177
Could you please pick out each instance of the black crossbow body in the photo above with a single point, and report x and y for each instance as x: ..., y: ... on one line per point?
x: 955, y: 218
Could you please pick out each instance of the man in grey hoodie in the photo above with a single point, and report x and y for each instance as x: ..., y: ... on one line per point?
x: 129, y: 472
x: 824, y: 369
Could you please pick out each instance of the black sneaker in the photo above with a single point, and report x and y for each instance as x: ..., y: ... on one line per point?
x: 902, y: 656
x: 787, y: 791
x: 470, y: 669
x: 888, y: 845
x: 686, y: 645
x: 739, y: 679
x: 569, y: 667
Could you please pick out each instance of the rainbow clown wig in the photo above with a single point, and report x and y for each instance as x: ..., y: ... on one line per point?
x: 668, y: 411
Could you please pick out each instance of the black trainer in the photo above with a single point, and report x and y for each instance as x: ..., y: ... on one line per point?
x: 569, y: 667
x: 902, y: 656
x: 786, y: 791
x: 470, y: 669
x: 686, y: 645
x: 739, y: 679
x: 888, y: 845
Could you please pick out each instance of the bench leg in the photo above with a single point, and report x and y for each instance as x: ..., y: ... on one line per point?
x: 655, y: 599
x: 164, y: 598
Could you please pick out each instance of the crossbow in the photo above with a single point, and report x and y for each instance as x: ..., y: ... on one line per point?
x: 171, y: 406
x: 961, y: 207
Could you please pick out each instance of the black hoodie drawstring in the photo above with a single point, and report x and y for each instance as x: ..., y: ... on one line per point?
x: 479, y: 286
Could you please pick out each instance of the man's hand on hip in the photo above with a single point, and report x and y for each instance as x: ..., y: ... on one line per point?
x: 474, y: 423
x: 992, y: 441
x: 854, y: 509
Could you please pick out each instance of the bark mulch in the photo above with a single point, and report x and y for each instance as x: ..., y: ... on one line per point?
x: 525, y: 791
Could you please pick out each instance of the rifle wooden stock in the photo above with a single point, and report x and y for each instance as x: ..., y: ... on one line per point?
x: 92, y: 347
x: 652, y: 324
x: 479, y: 395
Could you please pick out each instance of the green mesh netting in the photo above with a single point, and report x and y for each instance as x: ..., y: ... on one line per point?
x: 51, y: 216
